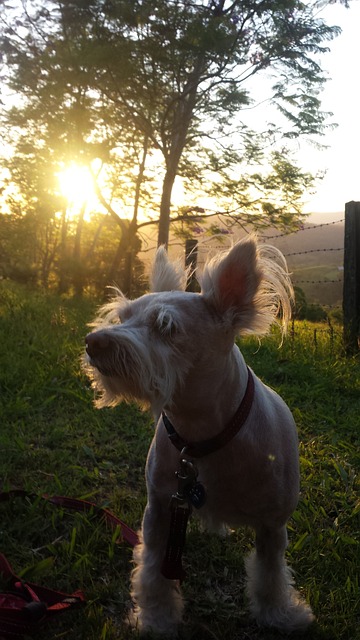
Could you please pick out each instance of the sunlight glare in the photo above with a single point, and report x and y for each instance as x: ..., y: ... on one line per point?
x: 76, y: 185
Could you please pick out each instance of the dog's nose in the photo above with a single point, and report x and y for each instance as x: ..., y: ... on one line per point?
x: 96, y: 342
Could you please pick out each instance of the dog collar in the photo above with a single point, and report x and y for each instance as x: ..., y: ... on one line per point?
x: 205, y: 447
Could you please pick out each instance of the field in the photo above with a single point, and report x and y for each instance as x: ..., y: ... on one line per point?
x: 53, y: 440
x: 321, y: 283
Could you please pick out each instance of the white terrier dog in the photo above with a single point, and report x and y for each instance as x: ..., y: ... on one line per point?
x: 174, y: 350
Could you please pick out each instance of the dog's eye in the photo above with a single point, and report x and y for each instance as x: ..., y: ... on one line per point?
x: 124, y: 314
x: 165, y: 322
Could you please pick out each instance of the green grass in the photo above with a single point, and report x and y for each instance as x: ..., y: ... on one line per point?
x: 53, y: 440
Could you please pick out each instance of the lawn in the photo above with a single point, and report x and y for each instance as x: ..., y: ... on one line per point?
x: 54, y: 441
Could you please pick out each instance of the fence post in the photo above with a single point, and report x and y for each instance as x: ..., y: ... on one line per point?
x: 191, y: 255
x: 351, y: 290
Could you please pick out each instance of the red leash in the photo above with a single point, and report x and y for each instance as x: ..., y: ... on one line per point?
x: 75, y: 504
x: 128, y: 535
x: 24, y: 606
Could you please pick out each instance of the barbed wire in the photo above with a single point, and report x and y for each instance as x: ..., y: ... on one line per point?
x: 309, y: 251
x: 302, y: 253
x: 312, y: 228
x: 316, y: 281
x: 202, y: 246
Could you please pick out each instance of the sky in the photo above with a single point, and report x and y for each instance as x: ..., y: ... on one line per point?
x: 341, y: 95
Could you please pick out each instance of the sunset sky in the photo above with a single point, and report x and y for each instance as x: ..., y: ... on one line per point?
x: 341, y: 96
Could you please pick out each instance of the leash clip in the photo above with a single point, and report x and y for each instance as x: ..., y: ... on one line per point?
x: 187, y: 477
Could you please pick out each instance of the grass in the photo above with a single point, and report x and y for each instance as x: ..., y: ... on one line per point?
x: 53, y: 440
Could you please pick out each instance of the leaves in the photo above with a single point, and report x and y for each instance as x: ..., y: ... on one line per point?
x: 109, y: 80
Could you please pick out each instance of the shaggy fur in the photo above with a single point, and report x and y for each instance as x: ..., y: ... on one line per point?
x: 174, y: 351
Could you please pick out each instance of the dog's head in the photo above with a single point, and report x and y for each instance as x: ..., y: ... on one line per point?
x: 144, y: 349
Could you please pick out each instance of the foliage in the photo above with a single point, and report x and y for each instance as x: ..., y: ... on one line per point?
x: 159, y: 89
x: 54, y: 441
x: 30, y: 253
x: 307, y: 311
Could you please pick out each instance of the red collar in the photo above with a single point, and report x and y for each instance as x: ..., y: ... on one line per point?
x: 204, y: 447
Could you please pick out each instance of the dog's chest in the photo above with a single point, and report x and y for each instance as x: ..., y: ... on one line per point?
x: 236, y: 489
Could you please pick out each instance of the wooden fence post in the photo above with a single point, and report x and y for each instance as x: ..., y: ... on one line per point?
x: 351, y: 290
x: 191, y: 255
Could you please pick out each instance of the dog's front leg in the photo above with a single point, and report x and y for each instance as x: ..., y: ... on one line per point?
x: 274, y: 601
x: 158, y: 601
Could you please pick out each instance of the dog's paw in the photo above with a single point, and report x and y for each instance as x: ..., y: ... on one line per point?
x: 292, y: 616
x: 153, y: 623
x: 273, y: 600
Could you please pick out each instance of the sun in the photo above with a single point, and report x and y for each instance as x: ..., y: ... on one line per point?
x: 76, y: 185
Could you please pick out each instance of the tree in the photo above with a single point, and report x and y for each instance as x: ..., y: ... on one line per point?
x: 172, y: 77
x: 193, y: 85
x: 61, y: 116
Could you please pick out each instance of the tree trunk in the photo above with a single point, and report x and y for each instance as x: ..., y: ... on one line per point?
x: 78, y: 279
x: 182, y: 118
x: 48, y: 256
x: 129, y: 256
x: 62, y: 286
x: 120, y: 252
x: 165, y: 207
x: 92, y: 247
x: 128, y: 269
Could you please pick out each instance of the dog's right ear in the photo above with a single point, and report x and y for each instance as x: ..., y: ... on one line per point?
x: 166, y: 275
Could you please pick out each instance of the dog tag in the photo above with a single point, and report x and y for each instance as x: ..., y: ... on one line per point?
x: 196, y: 494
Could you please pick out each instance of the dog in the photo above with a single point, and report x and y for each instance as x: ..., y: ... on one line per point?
x: 224, y: 442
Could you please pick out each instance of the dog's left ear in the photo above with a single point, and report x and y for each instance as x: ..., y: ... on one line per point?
x: 250, y: 287
x: 232, y: 279
x: 230, y: 283
x: 166, y: 275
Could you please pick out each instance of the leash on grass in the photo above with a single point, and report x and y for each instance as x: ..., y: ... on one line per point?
x: 24, y: 606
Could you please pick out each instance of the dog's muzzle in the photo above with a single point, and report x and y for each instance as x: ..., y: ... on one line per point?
x: 96, y: 343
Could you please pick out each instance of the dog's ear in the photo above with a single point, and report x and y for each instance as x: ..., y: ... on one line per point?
x: 247, y: 286
x: 230, y: 280
x: 166, y: 275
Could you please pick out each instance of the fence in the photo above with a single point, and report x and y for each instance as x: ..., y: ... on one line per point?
x: 351, y: 299
x: 321, y: 278
x: 322, y: 281
x: 347, y: 273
